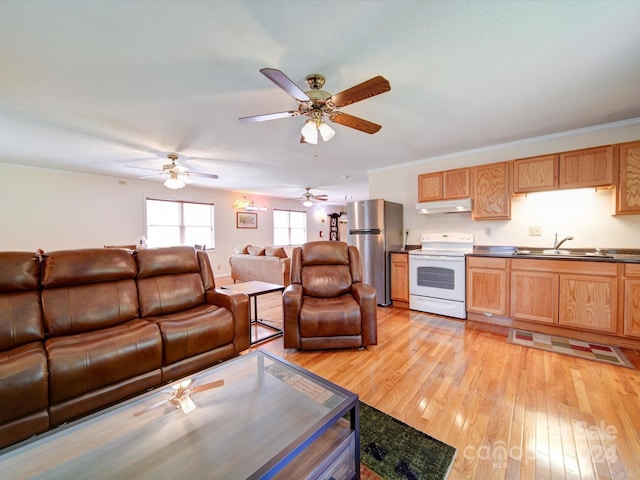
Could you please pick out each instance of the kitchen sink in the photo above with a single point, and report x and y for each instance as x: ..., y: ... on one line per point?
x: 563, y: 253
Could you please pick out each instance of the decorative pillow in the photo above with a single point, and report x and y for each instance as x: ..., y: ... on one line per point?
x: 275, y: 252
x: 240, y: 249
x: 255, y: 250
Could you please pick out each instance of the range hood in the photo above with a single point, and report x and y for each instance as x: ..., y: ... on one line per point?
x: 460, y: 205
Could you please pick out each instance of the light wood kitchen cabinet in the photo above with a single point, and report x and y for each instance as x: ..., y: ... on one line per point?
x: 589, y: 302
x: 534, y: 294
x: 632, y: 300
x: 487, y: 285
x: 400, y: 279
x: 627, y: 196
x: 591, y: 167
x: 491, y: 185
x: 445, y: 185
x: 536, y: 174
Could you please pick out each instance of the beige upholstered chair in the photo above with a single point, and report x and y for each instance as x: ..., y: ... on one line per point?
x: 327, y: 305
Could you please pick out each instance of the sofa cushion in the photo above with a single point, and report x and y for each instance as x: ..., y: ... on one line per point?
x: 20, y: 271
x: 240, y: 250
x: 82, y: 308
x: 91, y: 265
x: 20, y: 312
x: 24, y: 383
x: 166, y: 261
x: 190, y: 332
x: 275, y: 252
x: 257, y: 251
x: 81, y: 363
x: 329, y: 317
x: 326, y: 280
x: 167, y: 294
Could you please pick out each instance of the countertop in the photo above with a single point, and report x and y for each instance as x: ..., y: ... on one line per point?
x: 614, y: 255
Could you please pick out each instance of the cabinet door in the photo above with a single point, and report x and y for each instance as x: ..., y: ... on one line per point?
x: 535, y: 174
x: 534, y: 296
x: 592, y: 167
x: 487, y: 285
x: 632, y: 307
x: 628, y: 188
x: 492, y: 191
x: 400, y: 277
x: 456, y: 183
x: 430, y: 187
x: 588, y: 302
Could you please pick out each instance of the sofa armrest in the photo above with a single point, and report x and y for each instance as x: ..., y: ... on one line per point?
x: 238, y: 304
x: 365, y: 295
x: 291, y: 304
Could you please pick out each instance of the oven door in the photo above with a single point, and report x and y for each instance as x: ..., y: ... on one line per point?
x: 437, y: 276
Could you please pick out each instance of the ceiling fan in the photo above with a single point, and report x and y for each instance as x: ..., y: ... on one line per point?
x: 179, y: 175
x: 308, y: 198
x: 318, y: 104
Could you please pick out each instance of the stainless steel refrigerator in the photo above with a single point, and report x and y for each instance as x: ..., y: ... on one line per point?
x: 375, y: 228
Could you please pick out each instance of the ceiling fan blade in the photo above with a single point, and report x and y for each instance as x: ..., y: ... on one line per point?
x: 208, y: 386
x: 269, y: 116
x: 285, y: 83
x: 370, y: 88
x: 144, y: 168
x: 205, y: 175
x: 320, y: 197
x: 355, y: 122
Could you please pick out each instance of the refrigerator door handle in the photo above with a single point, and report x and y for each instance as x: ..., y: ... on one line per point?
x: 366, y: 231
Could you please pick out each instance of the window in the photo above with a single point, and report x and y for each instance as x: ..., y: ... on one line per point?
x: 179, y: 223
x: 289, y: 228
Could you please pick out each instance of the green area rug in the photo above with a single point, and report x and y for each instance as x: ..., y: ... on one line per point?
x: 393, y: 450
x: 576, y: 348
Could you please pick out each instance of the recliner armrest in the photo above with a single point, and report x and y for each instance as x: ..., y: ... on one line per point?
x: 291, y: 304
x: 238, y: 304
x: 365, y: 295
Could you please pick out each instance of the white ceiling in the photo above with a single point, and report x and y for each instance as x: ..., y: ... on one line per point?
x: 99, y: 86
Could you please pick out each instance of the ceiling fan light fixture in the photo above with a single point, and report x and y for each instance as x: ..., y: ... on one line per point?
x: 326, y: 132
x: 310, y: 132
x: 307, y: 202
x: 173, y: 182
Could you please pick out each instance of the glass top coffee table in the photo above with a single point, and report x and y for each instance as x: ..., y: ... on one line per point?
x: 255, y: 288
x: 255, y: 416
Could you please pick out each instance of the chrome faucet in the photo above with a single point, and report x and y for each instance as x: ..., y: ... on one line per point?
x: 556, y: 243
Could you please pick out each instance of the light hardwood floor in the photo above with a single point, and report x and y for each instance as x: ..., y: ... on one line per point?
x: 512, y: 412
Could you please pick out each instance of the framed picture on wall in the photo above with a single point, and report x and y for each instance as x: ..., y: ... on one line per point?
x: 246, y: 220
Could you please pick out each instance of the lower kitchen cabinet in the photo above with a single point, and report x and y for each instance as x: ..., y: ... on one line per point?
x: 487, y: 286
x: 400, y: 279
x: 632, y: 300
x: 575, y: 294
x: 534, y: 295
x: 589, y: 302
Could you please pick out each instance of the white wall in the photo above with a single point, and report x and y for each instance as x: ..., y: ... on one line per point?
x: 587, y: 219
x: 56, y: 210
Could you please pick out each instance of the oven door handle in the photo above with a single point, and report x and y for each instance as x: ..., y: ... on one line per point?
x: 438, y: 257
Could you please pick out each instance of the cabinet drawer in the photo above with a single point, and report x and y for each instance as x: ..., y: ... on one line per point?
x: 487, y: 262
x: 399, y: 258
x: 632, y: 269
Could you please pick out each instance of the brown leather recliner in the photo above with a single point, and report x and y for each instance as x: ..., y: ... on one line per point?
x: 327, y: 305
x: 24, y: 390
x: 99, y: 350
x: 199, y: 324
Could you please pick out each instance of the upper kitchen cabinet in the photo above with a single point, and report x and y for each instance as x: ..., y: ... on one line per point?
x: 491, y: 186
x: 591, y: 167
x: 536, y: 174
x: 627, y: 197
x: 443, y: 185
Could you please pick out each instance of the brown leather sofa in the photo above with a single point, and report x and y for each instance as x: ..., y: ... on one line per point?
x: 327, y: 305
x: 83, y: 329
